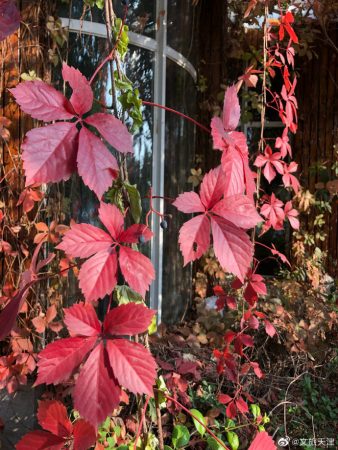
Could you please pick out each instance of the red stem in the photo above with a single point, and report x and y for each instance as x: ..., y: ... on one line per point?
x: 168, y: 397
x: 141, y: 421
x: 179, y: 114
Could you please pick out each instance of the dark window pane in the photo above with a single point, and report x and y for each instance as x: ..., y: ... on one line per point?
x: 179, y: 159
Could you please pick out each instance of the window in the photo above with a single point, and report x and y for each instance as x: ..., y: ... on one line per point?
x: 164, y: 147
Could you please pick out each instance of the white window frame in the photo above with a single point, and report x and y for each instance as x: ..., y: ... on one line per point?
x: 161, y: 52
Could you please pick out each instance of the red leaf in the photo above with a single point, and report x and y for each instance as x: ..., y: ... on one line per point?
x: 113, y: 131
x: 231, y: 109
x: 9, y: 18
x: 133, y: 365
x: 224, y: 398
x: 189, y: 202
x: 212, y: 187
x: 83, y: 240
x: 40, y: 440
x: 231, y: 410
x: 96, y: 392
x: 194, y: 238
x: 98, y: 275
x: 232, y: 165
x: 28, y: 197
x: 81, y: 320
x: 229, y: 336
x: 241, y: 405
x: 137, y: 269
x: 82, y: 97
x: 257, y: 369
x: 269, y: 328
x: 129, y: 319
x: 262, y: 441
x: 232, y: 247
x: 112, y: 219
x: 49, y: 153
x: 41, y: 101
x: 84, y: 435
x: 60, y: 358
x: 246, y: 340
x: 52, y: 416
x: 96, y: 165
x: 239, y: 210
x: 9, y: 313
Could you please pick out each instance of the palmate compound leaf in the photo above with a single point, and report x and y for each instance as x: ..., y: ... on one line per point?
x: 59, y: 431
x: 106, y: 360
x: 98, y: 275
x: 229, y: 217
x: 52, y: 153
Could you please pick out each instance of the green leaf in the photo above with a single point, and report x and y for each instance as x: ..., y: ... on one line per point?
x: 233, y: 440
x: 166, y: 447
x: 135, y: 201
x: 111, y: 441
x: 114, y: 196
x: 180, y: 436
x: 124, y: 294
x: 213, y: 444
x: 229, y: 423
x: 153, y: 326
x: 266, y: 418
x: 162, y: 388
x: 256, y: 410
x: 201, y: 418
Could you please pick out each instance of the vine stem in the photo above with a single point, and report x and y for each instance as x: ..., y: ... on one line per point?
x: 112, y: 53
x: 156, y: 105
x: 263, y: 107
x: 168, y: 397
x: 159, y: 421
x: 141, y: 421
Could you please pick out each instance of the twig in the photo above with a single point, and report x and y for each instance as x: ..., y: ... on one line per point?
x: 139, y: 429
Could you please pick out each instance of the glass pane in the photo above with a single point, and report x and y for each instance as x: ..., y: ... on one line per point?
x: 179, y: 158
x: 141, y: 16
x: 182, y: 28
